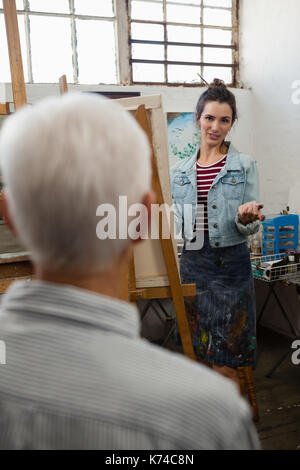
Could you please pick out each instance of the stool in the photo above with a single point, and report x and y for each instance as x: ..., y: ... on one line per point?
x: 247, y: 389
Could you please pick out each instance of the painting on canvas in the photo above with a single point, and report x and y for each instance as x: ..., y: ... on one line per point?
x: 183, y: 136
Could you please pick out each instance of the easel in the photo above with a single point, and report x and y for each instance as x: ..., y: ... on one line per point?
x: 176, y: 290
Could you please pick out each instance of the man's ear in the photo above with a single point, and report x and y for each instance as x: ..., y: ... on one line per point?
x: 6, y: 215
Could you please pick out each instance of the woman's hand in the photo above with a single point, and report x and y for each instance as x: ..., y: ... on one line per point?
x: 250, y: 212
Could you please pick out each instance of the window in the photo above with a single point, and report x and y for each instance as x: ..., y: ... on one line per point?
x: 177, y: 41
x: 72, y: 37
x: 126, y: 41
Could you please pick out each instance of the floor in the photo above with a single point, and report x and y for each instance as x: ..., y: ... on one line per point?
x: 278, y: 397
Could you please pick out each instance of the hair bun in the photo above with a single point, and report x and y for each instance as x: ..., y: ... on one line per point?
x: 217, y: 83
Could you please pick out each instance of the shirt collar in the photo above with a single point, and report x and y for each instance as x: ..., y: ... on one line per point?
x: 232, y: 160
x: 73, y: 304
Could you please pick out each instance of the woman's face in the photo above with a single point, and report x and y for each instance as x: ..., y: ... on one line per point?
x: 215, y: 122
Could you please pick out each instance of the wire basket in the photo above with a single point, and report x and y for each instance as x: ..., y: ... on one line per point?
x: 271, y: 268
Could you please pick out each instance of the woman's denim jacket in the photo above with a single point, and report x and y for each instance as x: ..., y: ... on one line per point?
x: 236, y: 184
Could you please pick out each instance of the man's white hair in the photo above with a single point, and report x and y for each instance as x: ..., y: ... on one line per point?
x: 60, y: 160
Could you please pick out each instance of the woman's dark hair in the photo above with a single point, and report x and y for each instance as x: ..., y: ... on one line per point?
x: 217, y: 91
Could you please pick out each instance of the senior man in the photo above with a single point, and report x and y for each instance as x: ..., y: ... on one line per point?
x: 78, y: 375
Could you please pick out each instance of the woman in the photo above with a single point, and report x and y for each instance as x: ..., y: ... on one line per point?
x: 223, y: 183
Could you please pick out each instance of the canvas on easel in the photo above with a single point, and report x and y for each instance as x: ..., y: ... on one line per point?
x: 154, y: 272
x: 150, y: 268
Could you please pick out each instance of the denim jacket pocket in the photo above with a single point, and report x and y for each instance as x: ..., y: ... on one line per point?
x: 181, y: 184
x: 233, y: 185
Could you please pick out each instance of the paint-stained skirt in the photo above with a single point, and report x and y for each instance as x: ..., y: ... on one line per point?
x: 222, y: 316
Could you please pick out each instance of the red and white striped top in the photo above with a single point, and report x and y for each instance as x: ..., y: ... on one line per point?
x: 205, y: 177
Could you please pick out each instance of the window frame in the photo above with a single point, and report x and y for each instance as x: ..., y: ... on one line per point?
x: 123, y: 42
x: 72, y: 16
x: 234, y: 47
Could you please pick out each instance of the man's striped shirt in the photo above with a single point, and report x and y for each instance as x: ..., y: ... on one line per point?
x: 79, y: 376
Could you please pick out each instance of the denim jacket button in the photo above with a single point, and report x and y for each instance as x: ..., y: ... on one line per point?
x: 181, y: 182
x: 214, y: 206
x: 217, y: 244
x: 215, y: 225
x: 233, y: 180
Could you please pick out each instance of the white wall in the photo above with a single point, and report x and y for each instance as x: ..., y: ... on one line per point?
x: 175, y: 99
x: 269, y: 48
x: 269, y: 45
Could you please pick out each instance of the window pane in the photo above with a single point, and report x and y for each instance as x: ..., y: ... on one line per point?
x: 4, y: 60
x: 94, y: 7
x: 5, y: 75
x: 184, y: 53
x: 218, y: 3
x: 215, y: 17
x: 21, y: 23
x: 183, y: 14
x: 96, y: 51
x: 223, y: 73
x: 147, y: 11
x: 217, y: 36
x: 183, y: 2
x: 219, y: 56
x: 147, y: 51
x: 150, y: 32
x: 19, y: 4
x: 148, y: 73
x: 183, y: 73
x: 50, y: 6
x: 51, y: 53
x: 183, y: 34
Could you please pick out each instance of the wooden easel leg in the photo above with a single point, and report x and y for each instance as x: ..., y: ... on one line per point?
x: 251, y: 393
x: 242, y: 380
x: 63, y: 86
x: 247, y: 387
x: 15, y: 56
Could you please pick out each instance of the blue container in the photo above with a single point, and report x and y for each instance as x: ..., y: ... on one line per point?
x: 280, y: 234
